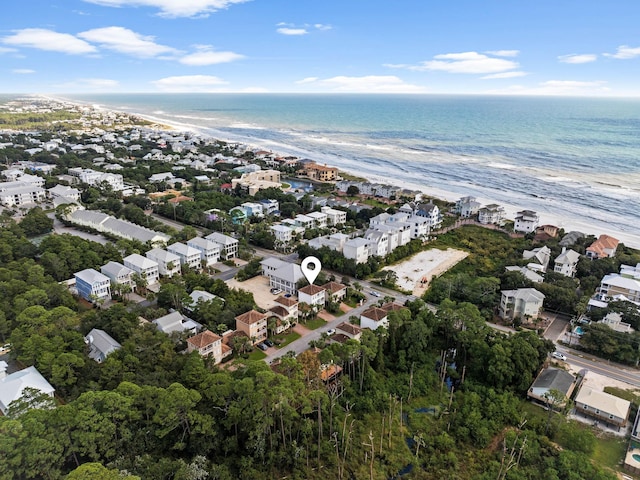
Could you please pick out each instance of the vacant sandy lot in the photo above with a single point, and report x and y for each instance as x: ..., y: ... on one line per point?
x: 415, y: 273
x: 259, y: 286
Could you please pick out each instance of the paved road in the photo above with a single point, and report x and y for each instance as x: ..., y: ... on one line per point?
x: 603, y: 367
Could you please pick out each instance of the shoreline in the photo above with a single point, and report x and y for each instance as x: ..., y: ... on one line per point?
x: 511, y: 209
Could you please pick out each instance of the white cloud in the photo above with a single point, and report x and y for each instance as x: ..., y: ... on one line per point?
x: 90, y: 84
x: 625, y: 53
x: 7, y: 50
x: 292, y: 31
x: 558, y: 87
x: 465, y: 62
x: 321, y: 26
x: 173, y: 8
x: 307, y: 80
x: 504, y: 75
x: 189, y: 83
x: 578, y: 58
x: 366, y: 84
x: 504, y: 53
x: 126, y: 41
x: 206, y: 55
x: 22, y: 71
x: 49, y: 40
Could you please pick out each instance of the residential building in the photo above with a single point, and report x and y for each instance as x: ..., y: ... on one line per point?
x: 350, y: 330
x: 168, y: 263
x: 120, y: 228
x: 334, y: 291
x: 312, y: 295
x: 614, y: 285
x: 201, y: 296
x: 526, y: 221
x: 270, y: 206
x: 358, y: 249
x: 70, y: 194
x: 613, y: 320
x: 12, y: 386
x: 175, y: 322
x: 567, y: 262
x: 545, y: 233
x: 101, y: 344
x: 304, y: 221
x: 188, y: 256
x: 602, y: 406
x: 118, y: 273
x: 374, y: 318
x: 526, y: 273
x: 254, y: 181
x: 145, y: 267
x: 207, y: 343
x: 253, y: 324
x: 282, y: 234
x: 322, y: 173
x: 283, y: 276
x: 491, y: 214
x: 320, y: 219
x: 334, y: 217
x: 539, y: 258
x: 286, y: 311
x: 551, y: 379
x: 571, y: 238
x: 20, y: 195
x: 379, y: 242
x: 521, y: 303
x: 605, y: 246
x: 92, y: 285
x: 334, y: 241
x: 431, y: 212
x: 228, y: 245
x: 467, y: 207
x: 209, y: 251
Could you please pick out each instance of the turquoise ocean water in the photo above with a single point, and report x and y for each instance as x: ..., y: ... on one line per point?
x: 567, y: 158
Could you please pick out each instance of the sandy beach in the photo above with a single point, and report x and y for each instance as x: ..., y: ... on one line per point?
x: 566, y: 223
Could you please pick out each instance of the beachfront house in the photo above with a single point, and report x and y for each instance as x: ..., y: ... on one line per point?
x: 605, y: 246
x: 467, y: 207
x: 491, y: 214
x: 526, y: 221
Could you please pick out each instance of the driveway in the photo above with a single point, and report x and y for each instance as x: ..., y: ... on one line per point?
x: 557, y: 327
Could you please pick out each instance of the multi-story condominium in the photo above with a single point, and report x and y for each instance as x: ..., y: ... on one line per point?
x: 145, y: 267
x: 92, y: 285
x: 209, y: 251
x: 20, y: 195
x: 189, y: 256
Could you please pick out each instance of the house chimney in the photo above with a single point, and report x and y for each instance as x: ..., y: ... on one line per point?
x: 3, y: 368
x: 564, y: 249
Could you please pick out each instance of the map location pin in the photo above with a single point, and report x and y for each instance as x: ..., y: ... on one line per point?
x: 311, y: 267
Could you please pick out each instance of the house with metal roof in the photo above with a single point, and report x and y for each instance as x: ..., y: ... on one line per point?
x: 551, y: 379
x: 101, y: 344
x: 92, y: 285
x: 12, y: 386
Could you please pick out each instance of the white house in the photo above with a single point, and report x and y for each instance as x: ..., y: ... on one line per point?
x: 521, y: 303
x: 228, y: 245
x: 168, y: 263
x: 602, y: 406
x: 189, y: 256
x: 491, y: 214
x: 175, y: 322
x: 304, y: 221
x: 467, y: 207
x: 320, y: 219
x: 118, y: 273
x: 12, y: 386
x: 526, y: 221
x: 334, y: 217
x: 373, y: 318
x: 539, y: 258
x: 567, y: 262
x: 312, y: 295
x: 379, y: 242
x: 145, y: 267
x: 282, y: 233
x: 282, y: 275
x: 19, y: 195
x: 358, y: 249
x: 209, y: 251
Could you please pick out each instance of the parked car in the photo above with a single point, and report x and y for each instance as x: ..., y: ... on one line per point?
x: 374, y: 293
x: 268, y: 343
x: 276, y: 291
x: 331, y: 331
x: 262, y: 346
x: 559, y: 356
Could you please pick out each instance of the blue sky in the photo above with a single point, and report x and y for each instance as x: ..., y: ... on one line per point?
x: 559, y: 47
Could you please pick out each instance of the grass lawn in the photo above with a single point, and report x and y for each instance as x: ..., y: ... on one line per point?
x: 315, y: 323
x: 609, y: 451
x: 257, y: 355
x: 286, y: 339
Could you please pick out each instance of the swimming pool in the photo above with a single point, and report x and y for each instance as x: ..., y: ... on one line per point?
x: 578, y: 330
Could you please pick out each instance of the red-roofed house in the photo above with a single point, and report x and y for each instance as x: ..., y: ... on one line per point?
x: 605, y: 246
x: 373, y: 318
x: 312, y: 295
x: 208, y: 343
x: 335, y: 291
x: 253, y: 324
